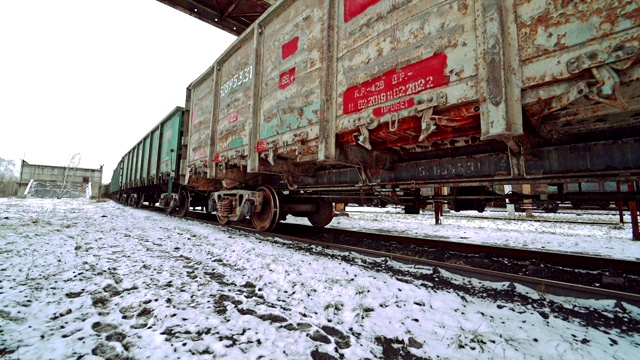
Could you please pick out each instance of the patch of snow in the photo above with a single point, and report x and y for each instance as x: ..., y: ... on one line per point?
x: 86, y: 279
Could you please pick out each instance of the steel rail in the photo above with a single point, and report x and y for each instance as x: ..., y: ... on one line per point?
x: 507, y: 219
x: 583, y: 262
x: 538, y: 284
x: 547, y: 286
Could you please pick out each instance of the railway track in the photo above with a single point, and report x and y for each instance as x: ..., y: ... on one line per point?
x: 556, y: 273
x: 539, y: 216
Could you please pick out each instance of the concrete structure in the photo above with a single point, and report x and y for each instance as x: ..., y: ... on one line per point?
x: 58, y: 181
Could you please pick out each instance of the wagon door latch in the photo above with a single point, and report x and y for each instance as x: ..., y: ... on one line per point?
x: 428, y: 125
x: 362, y: 137
x: 605, y: 87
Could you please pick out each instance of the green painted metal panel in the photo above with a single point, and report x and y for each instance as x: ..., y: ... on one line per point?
x: 170, y: 142
x: 145, y: 158
x: 137, y: 170
x: 286, y: 120
x: 114, y: 185
x: 125, y: 171
x: 153, y: 153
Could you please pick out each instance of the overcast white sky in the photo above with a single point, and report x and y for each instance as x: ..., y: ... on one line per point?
x: 94, y: 76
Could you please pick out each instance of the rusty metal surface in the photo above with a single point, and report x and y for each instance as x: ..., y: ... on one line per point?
x: 199, y: 125
x: 291, y: 81
x: 552, y: 32
x: 401, y: 54
x: 424, y: 91
x: 232, y: 16
x: 233, y: 117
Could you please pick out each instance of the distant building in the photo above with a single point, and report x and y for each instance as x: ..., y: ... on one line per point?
x: 58, y: 181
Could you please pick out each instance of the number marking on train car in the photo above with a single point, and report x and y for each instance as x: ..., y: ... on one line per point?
x: 411, y: 79
x: 242, y: 77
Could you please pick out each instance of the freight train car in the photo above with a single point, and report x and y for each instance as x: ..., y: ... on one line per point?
x: 347, y: 101
x: 147, y: 172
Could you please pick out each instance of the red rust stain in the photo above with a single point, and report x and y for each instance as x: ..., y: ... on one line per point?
x: 353, y: 8
x: 290, y: 47
x: 633, y: 15
x: 463, y: 7
x: 461, y: 121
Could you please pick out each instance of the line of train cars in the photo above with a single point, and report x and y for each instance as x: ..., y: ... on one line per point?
x: 343, y: 101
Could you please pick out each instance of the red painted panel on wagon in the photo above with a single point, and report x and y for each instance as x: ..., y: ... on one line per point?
x: 262, y: 146
x: 394, y: 107
x: 290, y: 47
x: 411, y: 79
x: 353, y: 8
x: 287, y: 78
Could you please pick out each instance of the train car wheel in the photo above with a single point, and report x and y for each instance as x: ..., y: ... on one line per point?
x: 222, y: 219
x: 550, y: 206
x: 603, y: 205
x: 139, y: 200
x: 269, y: 214
x: 132, y: 200
x: 183, y: 203
x: 323, y: 216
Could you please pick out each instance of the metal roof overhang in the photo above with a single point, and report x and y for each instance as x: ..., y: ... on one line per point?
x: 232, y: 16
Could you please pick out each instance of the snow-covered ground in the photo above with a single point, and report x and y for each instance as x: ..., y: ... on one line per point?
x: 87, y: 280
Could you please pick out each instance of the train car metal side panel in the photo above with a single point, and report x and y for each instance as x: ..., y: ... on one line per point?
x: 116, y: 179
x: 577, y: 64
x: 291, y: 81
x: 200, y: 136
x: 144, y: 175
x: 552, y: 33
x: 138, y: 171
x: 397, y: 61
x: 170, y: 143
x: 126, y: 176
x: 154, y: 175
x: 234, y: 117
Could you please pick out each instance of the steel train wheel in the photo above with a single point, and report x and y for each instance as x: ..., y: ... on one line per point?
x: 223, y: 220
x: 323, y: 216
x: 269, y: 214
x: 132, y: 200
x: 183, y: 203
x: 139, y: 200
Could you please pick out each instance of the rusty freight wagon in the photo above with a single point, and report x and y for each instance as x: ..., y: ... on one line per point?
x: 328, y: 101
x: 148, y: 172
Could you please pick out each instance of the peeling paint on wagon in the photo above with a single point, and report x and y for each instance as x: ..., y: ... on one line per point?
x: 544, y: 27
x: 302, y: 125
x: 290, y: 88
x: 201, y: 117
x: 281, y: 120
x: 233, y: 116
